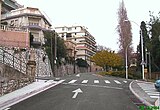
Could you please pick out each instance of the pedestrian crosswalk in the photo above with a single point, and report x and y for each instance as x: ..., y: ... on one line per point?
x: 96, y: 81
x: 117, y: 82
x: 85, y: 81
x: 150, y: 90
x: 72, y: 81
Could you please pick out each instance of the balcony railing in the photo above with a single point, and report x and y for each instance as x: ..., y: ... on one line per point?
x: 12, y: 28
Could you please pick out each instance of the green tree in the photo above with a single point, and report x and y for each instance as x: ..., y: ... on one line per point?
x: 52, y: 40
x: 146, y: 44
x: 155, y: 41
x: 82, y: 63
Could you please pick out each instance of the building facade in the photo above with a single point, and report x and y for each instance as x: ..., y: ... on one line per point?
x: 28, y: 18
x: 7, y: 6
x: 85, y: 42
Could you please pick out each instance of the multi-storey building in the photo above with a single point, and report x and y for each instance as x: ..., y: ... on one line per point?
x: 85, y: 42
x: 11, y: 37
x: 7, y: 6
x: 29, y: 18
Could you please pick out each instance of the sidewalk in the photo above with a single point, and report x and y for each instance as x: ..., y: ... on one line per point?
x: 141, y: 94
x: 26, y: 92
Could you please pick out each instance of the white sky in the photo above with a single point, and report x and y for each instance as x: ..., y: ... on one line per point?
x: 99, y: 16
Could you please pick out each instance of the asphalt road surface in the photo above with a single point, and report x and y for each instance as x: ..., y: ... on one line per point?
x: 82, y: 92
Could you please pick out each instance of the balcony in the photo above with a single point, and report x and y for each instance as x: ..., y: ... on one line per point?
x: 11, y: 4
x: 12, y: 28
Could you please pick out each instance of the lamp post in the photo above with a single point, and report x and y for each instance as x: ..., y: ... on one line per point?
x: 126, y: 55
x: 142, y: 54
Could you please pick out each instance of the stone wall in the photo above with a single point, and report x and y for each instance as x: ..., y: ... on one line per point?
x: 11, y: 79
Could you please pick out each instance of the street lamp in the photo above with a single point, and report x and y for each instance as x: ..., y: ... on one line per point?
x: 126, y: 55
x: 142, y: 54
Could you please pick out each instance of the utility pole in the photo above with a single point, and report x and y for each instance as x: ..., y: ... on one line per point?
x: 74, y: 66
x: 52, y: 55
x: 142, y: 52
x: 55, y: 51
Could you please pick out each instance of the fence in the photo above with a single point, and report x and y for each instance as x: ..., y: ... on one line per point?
x: 12, y: 61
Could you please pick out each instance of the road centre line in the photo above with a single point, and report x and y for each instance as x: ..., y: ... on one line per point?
x: 109, y: 87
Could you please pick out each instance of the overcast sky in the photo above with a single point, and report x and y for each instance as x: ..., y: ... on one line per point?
x: 99, y: 16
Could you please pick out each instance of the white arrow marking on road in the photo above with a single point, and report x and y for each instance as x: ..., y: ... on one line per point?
x: 78, y: 75
x: 76, y: 92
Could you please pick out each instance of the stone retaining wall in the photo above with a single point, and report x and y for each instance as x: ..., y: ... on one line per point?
x: 11, y: 79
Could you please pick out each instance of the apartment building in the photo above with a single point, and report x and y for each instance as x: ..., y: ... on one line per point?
x: 29, y: 18
x: 85, y: 42
x: 8, y: 5
x: 9, y: 37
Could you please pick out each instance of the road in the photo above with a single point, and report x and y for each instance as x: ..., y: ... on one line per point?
x: 84, y: 92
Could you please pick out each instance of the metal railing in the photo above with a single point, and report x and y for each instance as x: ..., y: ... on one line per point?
x: 12, y: 28
x: 12, y: 61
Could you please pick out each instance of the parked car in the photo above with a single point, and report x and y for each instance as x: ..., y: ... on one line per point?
x: 157, y: 84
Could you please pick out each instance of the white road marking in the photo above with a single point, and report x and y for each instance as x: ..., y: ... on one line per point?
x: 84, y: 81
x: 153, y: 94
x: 96, y: 81
x: 78, y: 75
x: 7, y: 108
x: 117, y: 82
x: 125, y: 81
x: 76, y: 92
x: 100, y: 86
x: 150, y: 90
x: 155, y: 97
x: 72, y: 81
x: 106, y: 81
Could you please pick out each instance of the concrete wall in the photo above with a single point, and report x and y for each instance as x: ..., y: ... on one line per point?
x: 14, y: 38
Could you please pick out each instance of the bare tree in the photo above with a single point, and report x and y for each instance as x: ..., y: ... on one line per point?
x: 101, y: 48
x: 124, y: 30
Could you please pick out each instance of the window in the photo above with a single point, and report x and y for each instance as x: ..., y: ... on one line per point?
x: 69, y: 29
x: 16, y: 23
x: 63, y: 29
x: 68, y: 35
x: 12, y: 23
